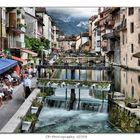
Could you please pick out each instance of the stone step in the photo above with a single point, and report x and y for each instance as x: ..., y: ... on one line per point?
x: 119, y: 98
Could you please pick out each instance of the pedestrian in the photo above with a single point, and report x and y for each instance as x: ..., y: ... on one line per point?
x: 16, y: 77
x: 1, y: 97
x: 9, y: 90
x: 27, y: 86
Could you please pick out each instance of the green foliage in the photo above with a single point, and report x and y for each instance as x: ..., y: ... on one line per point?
x: 20, y: 25
x: 35, y: 44
x: 41, y: 94
x: 102, y: 85
x: 36, y: 103
x: 30, y: 117
x: 129, y: 100
x: 125, y: 120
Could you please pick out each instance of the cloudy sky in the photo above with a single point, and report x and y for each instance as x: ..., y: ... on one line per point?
x: 77, y: 11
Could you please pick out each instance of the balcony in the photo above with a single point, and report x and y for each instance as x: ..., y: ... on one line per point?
x: 104, y: 44
x: 110, y: 46
x: 111, y: 22
x: 103, y: 29
x: 14, y: 30
x: 123, y: 25
x: 104, y: 49
x: 21, y: 27
x: 110, y: 34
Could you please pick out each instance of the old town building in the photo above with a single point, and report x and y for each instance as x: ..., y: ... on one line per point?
x: 130, y: 38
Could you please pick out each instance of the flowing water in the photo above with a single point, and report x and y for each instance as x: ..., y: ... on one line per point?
x: 54, y: 120
x: 89, y: 115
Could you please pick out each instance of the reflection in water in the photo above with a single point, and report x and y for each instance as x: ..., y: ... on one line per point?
x: 125, y: 81
x: 130, y: 84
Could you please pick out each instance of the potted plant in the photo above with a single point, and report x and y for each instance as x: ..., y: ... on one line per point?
x: 27, y: 121
x: 40, y: 96
x: 131, y: 102
x: 35, y: 106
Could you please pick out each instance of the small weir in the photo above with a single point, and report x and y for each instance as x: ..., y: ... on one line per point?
x: 95, y: 105
x: 73, y: 109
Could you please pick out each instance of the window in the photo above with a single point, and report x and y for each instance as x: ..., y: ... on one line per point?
x: 126, y: 77
x: 139, y: 38
x: 138, y: 62
x: 130, y: 11
x: 98, y: 32
x: 94, y: 33
x: 123, y: 39
x: 132, y: 48
x: 139, y: 79
x: 131, y: 27
x: 98, y: 43
x: 132, y: 91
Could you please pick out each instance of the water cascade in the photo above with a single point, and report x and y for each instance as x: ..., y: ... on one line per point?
x: 74, y: 110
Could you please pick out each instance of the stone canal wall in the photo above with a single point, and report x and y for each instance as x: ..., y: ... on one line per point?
x: 124, y: 118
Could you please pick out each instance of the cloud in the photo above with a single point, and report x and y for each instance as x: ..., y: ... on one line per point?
x: 87, y: 12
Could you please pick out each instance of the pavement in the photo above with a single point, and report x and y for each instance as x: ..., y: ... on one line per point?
x: 10, y: 107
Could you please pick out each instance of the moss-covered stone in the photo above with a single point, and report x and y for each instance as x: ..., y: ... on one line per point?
x: 124, y: 119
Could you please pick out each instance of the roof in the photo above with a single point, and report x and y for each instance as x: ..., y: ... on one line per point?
x: 6, y: 64
x: 101, y: 19
x: 86, y: 44
x: 137, y: 55
x: 68, y: 38
x: 108, y: 12
x: 114, y: 9
x: 18, y: 59
x: 41, y: 10
x: 93, y: 17
x: 86, y: 34
x: 29, y: 52
x: 30, y: 15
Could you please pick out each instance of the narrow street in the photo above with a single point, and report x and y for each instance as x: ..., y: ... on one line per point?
x: 9, y: 108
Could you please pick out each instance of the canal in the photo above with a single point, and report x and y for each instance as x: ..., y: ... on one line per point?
x: 58, y: 119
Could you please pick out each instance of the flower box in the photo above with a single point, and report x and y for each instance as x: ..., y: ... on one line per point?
x: 132, y: 105
x: 39, y: 99
x: 34, y: 109
x: 26, y: 125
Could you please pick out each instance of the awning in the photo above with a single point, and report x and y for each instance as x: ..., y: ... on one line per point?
x: 6, y: 64
x: 15, y: 30
x: 30, y: 52
x: 19, y: 59
x: 137, y: 55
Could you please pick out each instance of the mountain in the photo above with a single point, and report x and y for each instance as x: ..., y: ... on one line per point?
x: 70, y: 25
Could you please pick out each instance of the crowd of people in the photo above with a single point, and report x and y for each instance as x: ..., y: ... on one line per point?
x: 13, y: 78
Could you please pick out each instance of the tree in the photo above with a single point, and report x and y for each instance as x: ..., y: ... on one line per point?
x: 35, y: 44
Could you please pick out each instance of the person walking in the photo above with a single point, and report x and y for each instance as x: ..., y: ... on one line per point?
x: 27, y: 86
